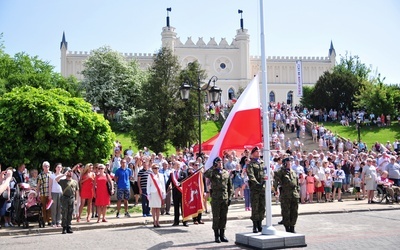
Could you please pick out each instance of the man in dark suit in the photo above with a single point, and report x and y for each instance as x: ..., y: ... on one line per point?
x: 174, y: 183
x: 19, y: 175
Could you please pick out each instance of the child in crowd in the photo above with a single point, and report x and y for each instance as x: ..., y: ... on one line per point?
x: 31, y: 199
x: 303, y: 188
x: 310, y: 180
x: 357, y: 185
x: 246, y: 190
x: 328, y: 187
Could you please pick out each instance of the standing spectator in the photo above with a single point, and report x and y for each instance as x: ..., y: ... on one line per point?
x: 237, y: 181
x: 43, y: 187
x: 289, y: 183
x: 76, y: 175
x: 369, y: 177
x: 255, y: 172
x: 134, y: 182
x: 102, y: 195
x: 303, y: 188
x: 155, y: 193
x: 86, y: 190
x: 19, y: 175
x: 174, y: 181
x: 122, y: 178
x: 69, y: 189
x: 310, y: 182
x: 142, y: 179
x: 55, y: 192
x: 357, y: 185
x: 33, y: 179
x: 246, y: 188
x: 338, y: 177
x: 166, y: 172
x: 222, y: 189
x: 393, y: 169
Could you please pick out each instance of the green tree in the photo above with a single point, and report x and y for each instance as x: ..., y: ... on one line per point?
x: 335, y: 90
x: 306, y: 99
x: 38, y: 125
x: 152, y: 124
x: 24, y: 70
x: 186, y: 118
x: 110, y: 81
x: 378, y: 98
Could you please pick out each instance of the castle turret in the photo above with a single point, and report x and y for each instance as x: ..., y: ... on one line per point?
x: 63, y: 50
x: 332, y: 54
x: 168, y: 34
x: 242, y: 40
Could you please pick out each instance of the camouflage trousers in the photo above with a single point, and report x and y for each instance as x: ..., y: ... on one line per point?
x: 220, y: 213
x: 257, y: 198
x: 67, y: 209
x: 289, y: 210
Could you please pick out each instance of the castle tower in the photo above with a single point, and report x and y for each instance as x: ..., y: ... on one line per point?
x: 242, y: 41
x: 63, y: 49
x: 168, y: 34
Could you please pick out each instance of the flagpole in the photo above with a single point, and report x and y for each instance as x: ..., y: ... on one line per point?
x: 268, y: 228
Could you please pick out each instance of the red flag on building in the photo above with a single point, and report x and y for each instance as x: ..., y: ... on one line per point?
x: 242, y: 128
x: 192, y: 196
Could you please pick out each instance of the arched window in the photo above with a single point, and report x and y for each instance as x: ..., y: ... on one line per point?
x: 271, y: 96
x: 231, y: 93
x: 289, y: 99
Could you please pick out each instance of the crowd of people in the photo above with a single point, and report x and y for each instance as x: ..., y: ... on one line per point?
x: 337, y: 165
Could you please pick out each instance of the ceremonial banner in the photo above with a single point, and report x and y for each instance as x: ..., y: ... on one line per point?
x: 192, y: 196
x: 299, y: 79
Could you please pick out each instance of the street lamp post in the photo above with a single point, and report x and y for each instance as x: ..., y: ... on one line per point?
x: 358, y: 120
x: 214, y: 91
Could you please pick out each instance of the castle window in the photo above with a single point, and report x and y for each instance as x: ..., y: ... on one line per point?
x: 272, y: 96
x: 289, y: 99
x: 231, y: 93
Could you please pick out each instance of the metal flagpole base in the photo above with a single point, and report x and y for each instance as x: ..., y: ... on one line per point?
x: 268, y: 230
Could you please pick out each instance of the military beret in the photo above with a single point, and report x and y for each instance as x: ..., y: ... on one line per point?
x: 217, y: 159
x: 255, y: 149
x: 285, y: 160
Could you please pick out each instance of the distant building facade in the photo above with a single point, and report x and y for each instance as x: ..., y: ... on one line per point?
x: 230, y: 62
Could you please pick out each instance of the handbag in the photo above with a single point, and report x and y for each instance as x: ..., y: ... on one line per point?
x: 109, y: 186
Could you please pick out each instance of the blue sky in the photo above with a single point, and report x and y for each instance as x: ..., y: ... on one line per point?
x: 367, y: 28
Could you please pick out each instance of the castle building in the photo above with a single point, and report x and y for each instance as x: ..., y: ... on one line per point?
x: 231, y: 63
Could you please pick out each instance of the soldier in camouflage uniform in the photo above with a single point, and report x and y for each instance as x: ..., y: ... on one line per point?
x: 289, y: 182
x: 70, y: 188
x: 221, y: 193
x: 255, y: 172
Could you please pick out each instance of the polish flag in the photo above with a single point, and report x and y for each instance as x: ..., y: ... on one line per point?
x: 242, y: 128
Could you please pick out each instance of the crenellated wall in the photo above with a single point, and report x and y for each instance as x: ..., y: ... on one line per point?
x: 230, y: 62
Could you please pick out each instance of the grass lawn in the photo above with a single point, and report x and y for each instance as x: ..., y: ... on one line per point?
x: 368, y: 134
x: 208, y: 128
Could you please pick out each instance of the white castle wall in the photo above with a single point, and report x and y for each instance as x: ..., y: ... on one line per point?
x: 230, y: 62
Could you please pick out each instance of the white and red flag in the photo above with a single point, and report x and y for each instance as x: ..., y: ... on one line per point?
x: 242, y: 128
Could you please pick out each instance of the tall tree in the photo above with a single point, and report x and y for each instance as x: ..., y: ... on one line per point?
x: 152, y: 124
x: 110, y: 81
x: 378, y: 98
x: 38, y: 125
x: 186, y: 119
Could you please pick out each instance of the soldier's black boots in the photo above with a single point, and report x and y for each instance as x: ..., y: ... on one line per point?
x: 259, y: 227
x: 69, y: 230
x: 292, y: 229
x: 222, y: 236
x: 287, y: 229
x: 64, y: 231
x: 255, y: 227
x: 216, y: 234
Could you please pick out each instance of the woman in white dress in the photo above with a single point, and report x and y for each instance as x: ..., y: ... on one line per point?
x: 369, y: 177
x: 155, y: 193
